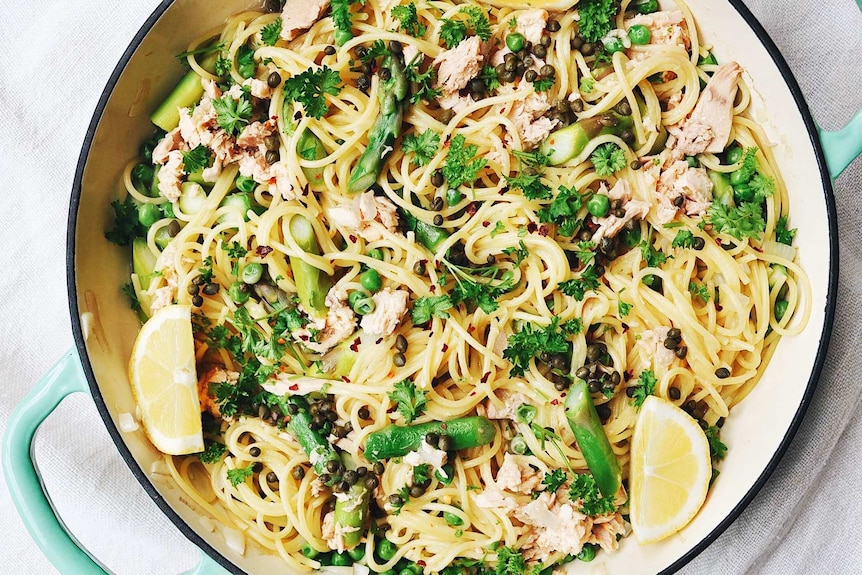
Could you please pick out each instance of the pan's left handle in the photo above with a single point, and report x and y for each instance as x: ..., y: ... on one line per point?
x: 26, y: 489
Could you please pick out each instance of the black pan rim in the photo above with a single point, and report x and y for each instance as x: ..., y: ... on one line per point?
x: 189, y: 533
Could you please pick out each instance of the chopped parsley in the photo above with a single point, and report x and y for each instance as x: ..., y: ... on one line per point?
x: 233, y: 114
x: 741, y: 222
x: 206, y: 270
x: 129, y: 291
x: 623, y: 308
x: 543, y: 83
x: 519, y: 254
x: 126, y: 225
x: 531, y: 185
x: 608, y: 159
x: 717, y: 449
x: 452, y: 31
x: 462, y: 166
x: 585, y: 252
x: 587, y: 84
x: 749, y: 163
x: 683, y: 239
x: 497, y: 229
x: 578, y: 287
x: 423, y: 82
x: 427, y: 307
x: 782, y: 234
x: 404, y: 495
x: 378, y: 48
x: 408, y: 20
x: 596, y: 18
x: 223, y: 66
x: 563, y: 211
x: 644, y: 387
x: 762, y: 186
x: 340, y: 14
x: 239, y: 475
x: 554, y: 480
x: 421, y: 473
x: 531, y: 340
x: 699, y: 290
x: 410, y: 402
x: 310, y: 88
x: 510, y: 562
x: 213, y: 452
x: 489, y: 76
x: 245, y: 64
x: 196, y: 159
x: 479, y: 294
x: 653, y: 257
x: 271, y: 32
x: 592, y: 503
x: 477, y: 20
x: 423, y: 146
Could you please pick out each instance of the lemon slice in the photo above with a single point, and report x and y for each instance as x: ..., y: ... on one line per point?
x: 670, y: 470
x: 164, y: 381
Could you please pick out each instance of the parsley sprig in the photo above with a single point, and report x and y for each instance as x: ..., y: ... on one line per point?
x: 531, y: 340
x: 554, y: 480
x: 427, y: 307
x: 608, y: 159
x: 410, y: 401
x: 462, y: 166
x: 233, y: 114
x: 271, y: 32
x: 563, y: 211
x: 596, y: 18
x: 585, y: 489
x: 423, y: 146
x: 453, y: 31
x: 644, y: 387
x: 408, y: 20
x: 310, y: 88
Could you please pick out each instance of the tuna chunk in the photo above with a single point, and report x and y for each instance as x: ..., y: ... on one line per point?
x: 369, y: 216
x: 528, y: 116
x: 214, y: 375
x: 611, y: 225
x: 459, y: 65
x: 389, y: 308
x: 173, y: 140
x: 708, y: 127
x: 252, y: 138
x: 300, y: 15
x: 652, y: 341
x: 339, y: 323
x: 517, y: 475
x: 426, y: 454
x: 693, y: 184
x: 511, y: 401
x: 171, y: 175
x: 668, y: 28
x: 531, y: 23
x: 556, y: 526
x: 605, y: 530
x: 259, y: 88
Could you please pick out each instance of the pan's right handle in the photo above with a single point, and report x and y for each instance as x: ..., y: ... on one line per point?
x: 25, y: 487
x: 843, y: 146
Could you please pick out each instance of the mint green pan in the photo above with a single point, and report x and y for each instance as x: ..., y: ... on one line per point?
x: 104, y: 328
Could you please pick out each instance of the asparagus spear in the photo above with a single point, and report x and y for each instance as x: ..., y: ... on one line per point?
x: 398, y: 441
x: 393, y: 97
x: 319, y: 450
x: 310, y: 147
x: 351, y: 509
x: 722, y: 190
x: 566, y: 143
x: 312, y: 284
x: 187, y: 93
x: 592, y: 441
x: 429, y: 236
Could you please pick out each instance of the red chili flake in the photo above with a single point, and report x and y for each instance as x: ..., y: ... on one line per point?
x: 471, y: 328
x: 718, y: 307
x: 433, y: 288
x: 563, y: 394
x: 445, y: 348
x: 718, y: 242
x: 282, y: 368
x: 472, y: 393
x: 421, y: 563
x: 345, y: 379
x: 503, y: 191
x: 263, y: 251
x: 532, y: 227
x: 304, y: 337
x: 591, y: 225
x: 555, y: 402
x: 443, y: 426
x: 294, y: 387
x: 544, y: 231
x: 471, y: 208
x: 485, y: 377
x: 379, y: 341
x: 352, y: 238
x: 486, y: 223
x: 354, y: 347
x: 430, y: 334
x: 281, y: 341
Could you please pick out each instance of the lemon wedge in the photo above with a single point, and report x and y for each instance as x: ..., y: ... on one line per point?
x: 670, y: 470
x: 164, y: 381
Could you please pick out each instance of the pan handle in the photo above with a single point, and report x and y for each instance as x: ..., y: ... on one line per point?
x: 843, y: 146
x: 25, y: 487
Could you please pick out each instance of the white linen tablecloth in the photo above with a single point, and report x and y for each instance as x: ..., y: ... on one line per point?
x: 55, y: 57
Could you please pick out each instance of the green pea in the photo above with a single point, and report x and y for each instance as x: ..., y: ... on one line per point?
x: 647, y: 6
x: 743, y: 193
x: 148, y: 214
x: 376, y: 253
x: 640, y: 34
x: 142, y: 177
x: 692, y: 161
x: 386, y: 549
x: 780, y: 309
x: 447, y: 476
x: 526, y: 413
x: 588, y: 553
x: 739, y: 177
x: 452, y: 519
x: 309, y: 551
x: 734, y: 155
x: 518, y: 445
x: 341, y: 560
x: 599, y: 205
x: 354, y: 297
x: 613, y: 45
x: 411, y: 569
x: 371, y: 281
x: 390, y: 572
x: 364, y: 306
x: 454, y: 197
x: 252, y: 273
x: 515, y: 42
x: 239, y: 293
x: 342, y: 36
x: 632, y: 237
x: 167, y: 209
x: 245, y: 184
x: 357, y: 553
x: 708, y: 61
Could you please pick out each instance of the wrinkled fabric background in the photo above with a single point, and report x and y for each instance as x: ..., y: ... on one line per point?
x: 55, y: 58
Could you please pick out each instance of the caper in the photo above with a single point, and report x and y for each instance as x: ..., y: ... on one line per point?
x: 699, y: 243
x: 432, y: 439
x: 371, y: 482
x: 273, y: 478
x: 438, y: 220
x: 297, y: 472
x: 548, y: 71
x: 628, y: 136
x: 681, y: 351
x: 587, y: 49
x: 445, y: 443
x: 624, y: 108
x: 582, y: 373
x: 527, y: 62
x: 193, y: 289
x: 197, y: 301
x: 540, y: 51
x: 635, y: 165
x: 363, y: 83
x: 401, y: 343
x: 595, y: 385
x: 530, y: 75
x: 416, y: 491
x: 722, y: 373
x: 446, y: 116
x: 577, y: 106
x: 378, y: 468
x: 594, y: 351
x: 329, y: 50
x: 272, y: 142
x: 395, y: 500
x: 553, y: 26
x: 351, y: 477
x: 437, y: 179
x: 173, y: 228
x: 395, y: 46
x: 437, y: 204
x: 385, y: 74
x: 271, y: 156
x: 674, y: 333
x: 670, y: 343
x: 399, y: 360
x: 673, y: 393
x: 274, y: 80
x: 333, y: 466
x: 419, y: 268
x: 211, y: 288
x: 679, y: 201
x: 576, y: 43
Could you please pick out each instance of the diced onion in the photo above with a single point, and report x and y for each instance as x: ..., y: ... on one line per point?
x: 128, y: 423
x: 360, y: 569
x: 234, y: 539
x: 207, y: 524
x: 779, y: 250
